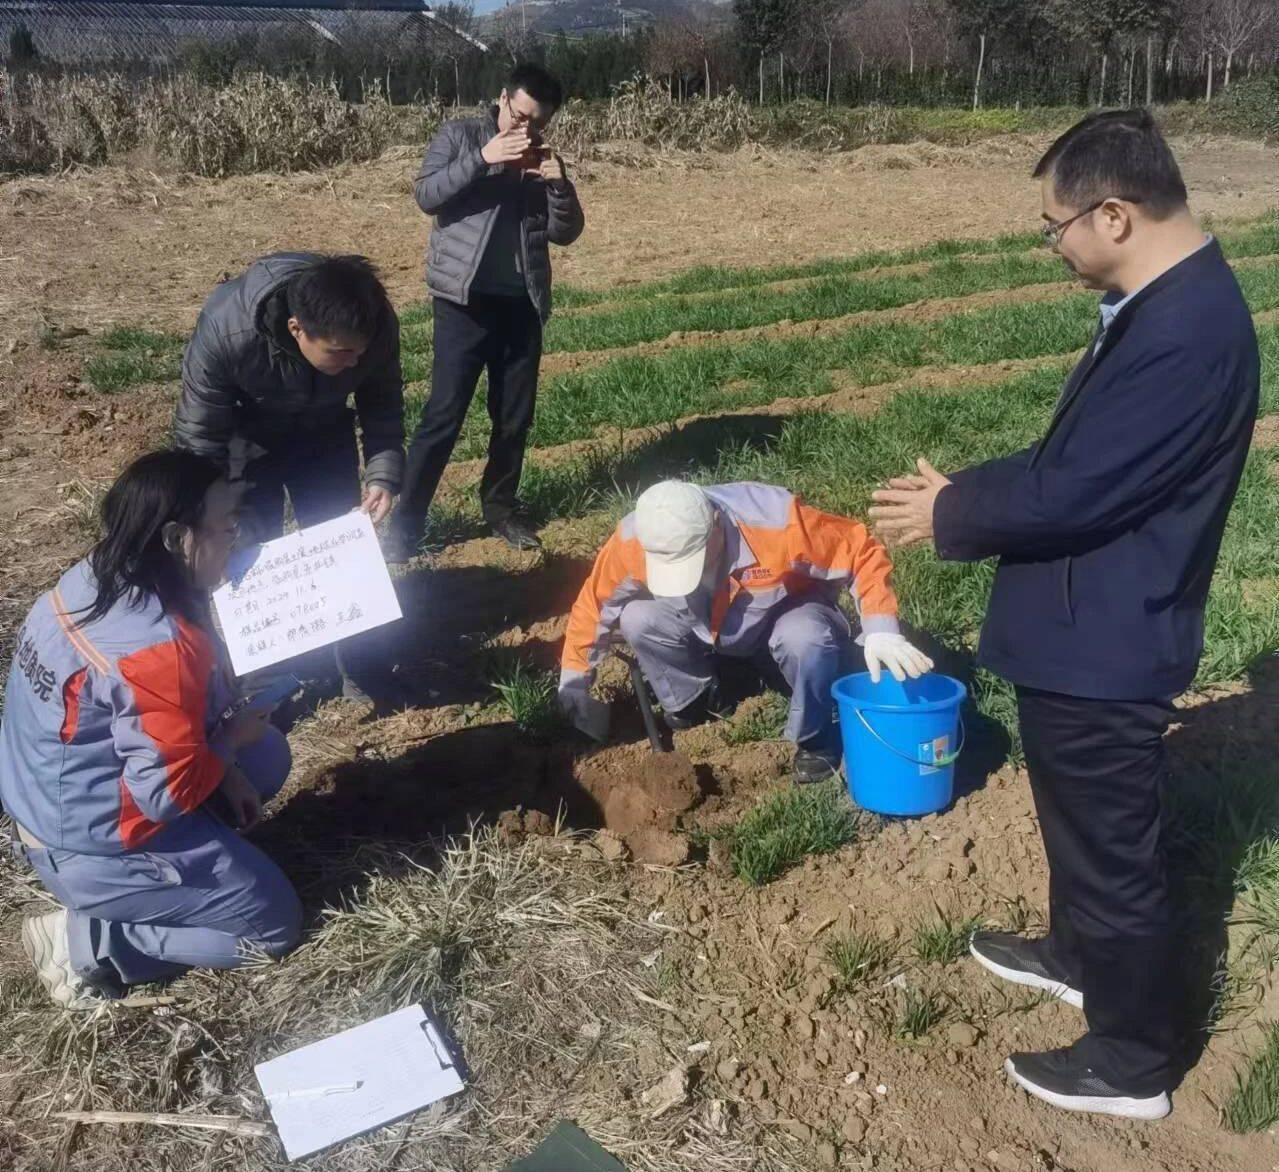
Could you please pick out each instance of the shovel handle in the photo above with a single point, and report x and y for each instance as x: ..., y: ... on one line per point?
x: 639, y: 685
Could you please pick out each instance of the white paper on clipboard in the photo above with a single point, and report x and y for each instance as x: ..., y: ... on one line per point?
x: 357, y: 1080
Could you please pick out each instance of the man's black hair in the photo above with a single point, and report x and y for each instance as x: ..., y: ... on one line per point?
x: 540, y: 84
x: 1115, y: 154
x: 339, y: 297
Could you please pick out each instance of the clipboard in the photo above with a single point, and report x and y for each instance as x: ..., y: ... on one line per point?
x: 567, y: 1149
x: 358, y: 1080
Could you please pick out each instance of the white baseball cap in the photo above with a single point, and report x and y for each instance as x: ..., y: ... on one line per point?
x: 673, y: 521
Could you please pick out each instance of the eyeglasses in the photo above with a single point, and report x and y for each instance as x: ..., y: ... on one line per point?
x: 1053, y: 232
x: 520, y: 118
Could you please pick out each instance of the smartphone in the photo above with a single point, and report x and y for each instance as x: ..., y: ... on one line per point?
x: 533, y: 159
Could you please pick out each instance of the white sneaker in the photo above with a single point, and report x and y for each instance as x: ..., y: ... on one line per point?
x: 1060, y: 1078
x: 1023, y: 962
x: 44, y: 939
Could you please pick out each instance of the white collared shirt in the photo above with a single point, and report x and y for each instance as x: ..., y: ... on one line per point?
x: 1110, y: 309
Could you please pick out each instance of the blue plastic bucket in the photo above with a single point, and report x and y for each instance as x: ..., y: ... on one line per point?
x: 900, y: 741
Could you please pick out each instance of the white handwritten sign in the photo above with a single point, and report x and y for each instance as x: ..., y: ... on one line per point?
x: 303, y: 591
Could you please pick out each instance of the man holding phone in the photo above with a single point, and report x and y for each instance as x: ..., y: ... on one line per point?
x: 499, y: 198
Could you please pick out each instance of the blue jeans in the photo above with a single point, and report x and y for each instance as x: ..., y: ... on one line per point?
x: 198, y: 895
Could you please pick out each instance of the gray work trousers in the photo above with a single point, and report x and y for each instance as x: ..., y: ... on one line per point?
x: 809, y: 639
x: 197, y: 896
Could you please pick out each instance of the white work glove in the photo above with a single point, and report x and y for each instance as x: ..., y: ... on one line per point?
x: 895, y: 652
x: 581, y: 709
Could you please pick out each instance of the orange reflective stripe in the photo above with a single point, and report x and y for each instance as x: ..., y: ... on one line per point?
x: 77, y: 637
x: 770, y: 547
x: 721, y: 603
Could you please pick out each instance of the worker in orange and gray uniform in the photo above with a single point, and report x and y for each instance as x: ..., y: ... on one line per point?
x: 738, y: 570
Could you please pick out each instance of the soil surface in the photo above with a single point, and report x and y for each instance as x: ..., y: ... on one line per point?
x: 752, y: 989
x: 118, y: 245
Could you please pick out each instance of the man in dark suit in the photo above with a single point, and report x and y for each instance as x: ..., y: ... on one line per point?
x: 1107, y: 533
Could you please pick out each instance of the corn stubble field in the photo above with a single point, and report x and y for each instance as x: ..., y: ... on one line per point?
x: 256, y: 122
x: 803, y: 972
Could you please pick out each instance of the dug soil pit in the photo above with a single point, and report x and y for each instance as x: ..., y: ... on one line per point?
x: 644, y: 796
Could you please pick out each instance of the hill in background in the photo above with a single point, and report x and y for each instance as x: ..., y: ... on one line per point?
x: 583, y: 16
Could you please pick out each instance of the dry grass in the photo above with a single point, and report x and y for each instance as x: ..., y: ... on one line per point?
x: 257, y: 122
x: 81, y: 507
x: 642, y: 111
x: 254, y: 123
x: 534, y: 960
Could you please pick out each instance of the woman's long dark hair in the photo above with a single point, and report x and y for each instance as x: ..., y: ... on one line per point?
x: 131, y: 559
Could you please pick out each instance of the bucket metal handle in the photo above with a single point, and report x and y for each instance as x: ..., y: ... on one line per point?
x: 941, y: 763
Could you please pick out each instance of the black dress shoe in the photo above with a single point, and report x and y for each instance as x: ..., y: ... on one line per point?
x: 1062, y: 1078
x: 706, y: 706
x: 1024, y: 962
x: 685, y: 718
x: 516, y: 532
x: 399, y: 547
x: 816, y: 764
x: 384, y: 692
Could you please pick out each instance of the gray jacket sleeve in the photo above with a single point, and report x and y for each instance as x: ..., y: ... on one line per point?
x: 451, y: 165
x: 209, y: 402
x: 379, y: 403
x: 564, y: 217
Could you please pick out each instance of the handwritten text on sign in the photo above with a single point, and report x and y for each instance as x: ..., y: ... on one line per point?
x: 303, y: 591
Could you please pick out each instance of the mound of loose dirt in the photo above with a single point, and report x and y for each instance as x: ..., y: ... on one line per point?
x: 663, y: 847
x: 519, y: 823
x: 644, y: 797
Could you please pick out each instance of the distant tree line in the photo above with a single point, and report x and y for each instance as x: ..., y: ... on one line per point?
x: 895, y: 52
x: 972, y: 52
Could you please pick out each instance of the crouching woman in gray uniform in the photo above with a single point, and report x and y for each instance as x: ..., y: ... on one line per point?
x: 125, y: 772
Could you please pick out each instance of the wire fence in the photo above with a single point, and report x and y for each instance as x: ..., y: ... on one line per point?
x: 141, y: 32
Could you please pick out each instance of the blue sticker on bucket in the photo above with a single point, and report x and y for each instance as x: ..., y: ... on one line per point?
x: 935, y: 753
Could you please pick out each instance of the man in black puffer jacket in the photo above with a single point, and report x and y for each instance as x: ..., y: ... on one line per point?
x: 276, y: 354
x: 499, y: 198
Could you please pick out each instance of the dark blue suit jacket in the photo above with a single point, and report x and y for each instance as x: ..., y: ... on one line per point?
x: 1108, y: 529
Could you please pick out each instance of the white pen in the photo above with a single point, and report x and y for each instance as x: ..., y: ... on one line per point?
x: 344, y: 1088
